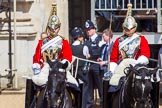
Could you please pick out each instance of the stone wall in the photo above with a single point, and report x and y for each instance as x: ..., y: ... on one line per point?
x: 31, y: 19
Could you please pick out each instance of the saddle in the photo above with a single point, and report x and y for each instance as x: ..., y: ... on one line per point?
x: 72, y: 86
x: 113, y: 88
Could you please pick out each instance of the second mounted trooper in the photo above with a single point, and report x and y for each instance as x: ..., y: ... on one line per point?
x: 130, y: 48
x: 130, y: 45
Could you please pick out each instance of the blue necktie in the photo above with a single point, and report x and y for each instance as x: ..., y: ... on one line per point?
x: 104, y: 52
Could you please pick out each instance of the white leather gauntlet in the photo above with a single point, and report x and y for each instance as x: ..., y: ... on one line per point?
x: 142, y: 60
x: 112, y: 66
x: 36, y: 68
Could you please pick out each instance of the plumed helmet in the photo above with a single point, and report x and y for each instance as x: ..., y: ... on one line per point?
x: 89, y: 25
x: 54, y: 22
x: 130, y: 24
x: 77, y: 32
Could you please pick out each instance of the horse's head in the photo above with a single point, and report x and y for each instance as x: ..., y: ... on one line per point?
x: 56, y: 82
x: 141, y: 85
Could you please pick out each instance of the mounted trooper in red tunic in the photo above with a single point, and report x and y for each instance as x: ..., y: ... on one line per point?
x: 130, y: 45
x: 130, y: 48
x: 55, y: 47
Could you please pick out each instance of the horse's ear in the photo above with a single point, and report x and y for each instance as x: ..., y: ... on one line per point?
x: 133, y: 69
x: 154, y: 70
x: 128, y: 69
x: 49, y: 61
x: 131, y: 66
x: 65, y: 65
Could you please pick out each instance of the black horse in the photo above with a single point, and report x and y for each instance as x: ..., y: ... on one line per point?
x: 58, y: 96
x: 135, y: 92
x: 54, y: 94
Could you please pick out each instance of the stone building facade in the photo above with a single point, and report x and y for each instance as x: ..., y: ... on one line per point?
x: 31, y: 19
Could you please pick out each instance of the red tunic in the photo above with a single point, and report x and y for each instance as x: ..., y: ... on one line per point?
x: 65, y: 53
x: 143, y: 50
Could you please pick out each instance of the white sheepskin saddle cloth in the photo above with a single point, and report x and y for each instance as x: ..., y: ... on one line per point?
x: 119, y: 71
x: 41, y: 78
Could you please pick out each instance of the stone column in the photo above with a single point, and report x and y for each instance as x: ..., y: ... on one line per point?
x: 62, y: 12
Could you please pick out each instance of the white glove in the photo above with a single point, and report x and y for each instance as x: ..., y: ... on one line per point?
x: 36, y: 68
x: 41, y: 78
x: 142, y: 60
x: 113, y: 65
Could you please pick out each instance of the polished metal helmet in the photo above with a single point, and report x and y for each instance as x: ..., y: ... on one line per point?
x: 54, y: 22
x: 130, y: 24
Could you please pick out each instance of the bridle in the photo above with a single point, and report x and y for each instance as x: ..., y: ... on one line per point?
x: 133, y: 76
x: 142, y: 79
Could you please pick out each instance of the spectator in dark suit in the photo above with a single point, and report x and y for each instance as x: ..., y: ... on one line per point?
x: 106, y: 51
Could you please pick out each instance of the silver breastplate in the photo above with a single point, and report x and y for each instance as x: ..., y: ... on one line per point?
x: 130, y: 49
x: 52, y: 52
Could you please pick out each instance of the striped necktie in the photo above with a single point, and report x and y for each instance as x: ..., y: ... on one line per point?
x: 103, y: 56
x: 104, y: 52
